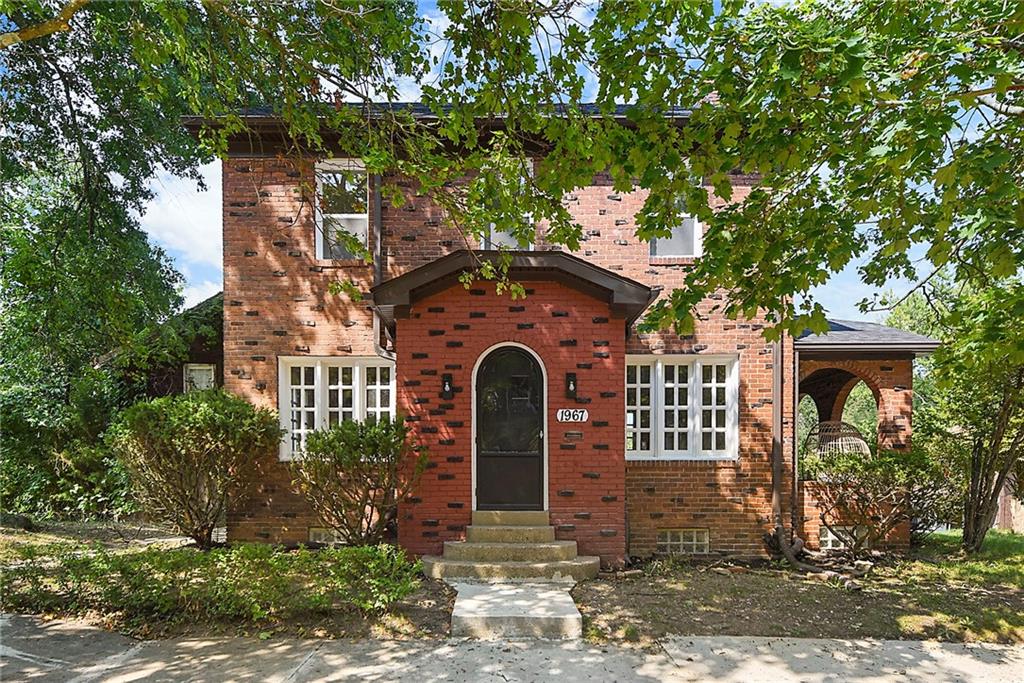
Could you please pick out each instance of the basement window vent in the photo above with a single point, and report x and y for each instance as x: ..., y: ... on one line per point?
x: 829, y: 541
x: 684, y: 541
x: 324, y: 536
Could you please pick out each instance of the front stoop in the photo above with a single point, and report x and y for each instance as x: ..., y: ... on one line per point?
x: 513, y: 578
x: 511, y: 545
x: 515, y: 610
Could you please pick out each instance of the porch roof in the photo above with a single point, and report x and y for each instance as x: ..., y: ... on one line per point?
x: 626, y: 298
x: 848, y: 338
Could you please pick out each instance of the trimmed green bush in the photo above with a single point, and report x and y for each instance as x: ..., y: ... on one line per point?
x: 354, y: 473
x: 188, y: 455
x: 244, y: 583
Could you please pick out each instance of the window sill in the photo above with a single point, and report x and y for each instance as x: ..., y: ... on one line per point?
x: 672, y: 260
x: 327, y: 263
x: 682, y: 458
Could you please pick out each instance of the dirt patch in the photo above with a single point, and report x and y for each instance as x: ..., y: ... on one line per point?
x: 682, y: 599
x: 110, y: 535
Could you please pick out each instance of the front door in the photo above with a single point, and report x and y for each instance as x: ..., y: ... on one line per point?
x: 509, y: 431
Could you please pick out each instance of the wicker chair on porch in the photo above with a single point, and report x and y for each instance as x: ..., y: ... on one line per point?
x: 834, y: 438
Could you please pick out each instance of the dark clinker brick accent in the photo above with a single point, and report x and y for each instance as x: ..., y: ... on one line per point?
x: 445, y: 476
x: 591, y: 475
x: 524, y: 326
x: 582, y: 515
x: 609, y: 499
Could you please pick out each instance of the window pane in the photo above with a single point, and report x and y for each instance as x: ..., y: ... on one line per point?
x: 681, y: 243
x: 645, y: 441
x: 344, y: 191
x: 371, y: 398
x: 719, y: 373
x: 385, y: 398
x: 631, y: 374
x: 670, y: 441
x: 309, y: 373
x: 706, y: 374
x: 720, y: 441
x: 335, y: 231
x: 346, y: 375
x: 385, y: 375
x: 371, y: 375
x: 296, y: 376
x: 705, y: 440
x: 645, y: 374
x: 332, y: 376
x: 645, y: 397
x: 670, y: 373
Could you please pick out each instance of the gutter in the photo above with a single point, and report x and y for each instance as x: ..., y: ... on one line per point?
x: 378, y: 268
x: 656, y: 291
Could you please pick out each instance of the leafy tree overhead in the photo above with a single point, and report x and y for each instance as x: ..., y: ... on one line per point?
x: 880, y: 129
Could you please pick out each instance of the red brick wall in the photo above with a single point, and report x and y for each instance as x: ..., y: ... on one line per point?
x: 277, y: 304
x: 570, y: 332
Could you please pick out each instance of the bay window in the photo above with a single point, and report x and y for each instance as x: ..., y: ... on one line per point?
x: 315, y: 393
x: 682, y: 407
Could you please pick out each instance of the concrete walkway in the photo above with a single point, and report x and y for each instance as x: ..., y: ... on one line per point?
x: 33, y: 650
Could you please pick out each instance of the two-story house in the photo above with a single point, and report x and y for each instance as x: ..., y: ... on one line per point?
x: 552, y: 406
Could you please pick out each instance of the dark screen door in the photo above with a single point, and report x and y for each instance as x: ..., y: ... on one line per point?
x: 509, y: 432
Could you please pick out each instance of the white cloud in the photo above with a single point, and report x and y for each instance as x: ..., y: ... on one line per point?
x: 184, y: 220
x: 194, y: 293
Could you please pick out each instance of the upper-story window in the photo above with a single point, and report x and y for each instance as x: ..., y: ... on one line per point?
x: 501, y: 239
x: 686, y: 241
x: 198, y: 376
x: 342, y: 213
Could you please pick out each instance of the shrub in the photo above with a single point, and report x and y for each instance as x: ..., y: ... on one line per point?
x: 247, y: 583
x: 862, y: 499
x: 354, y: 474
x: 187, y: 455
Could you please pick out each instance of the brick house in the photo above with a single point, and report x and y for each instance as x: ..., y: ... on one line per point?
x: 629, y: 444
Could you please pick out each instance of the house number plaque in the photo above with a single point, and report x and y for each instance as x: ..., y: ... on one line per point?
x: 572, y: 415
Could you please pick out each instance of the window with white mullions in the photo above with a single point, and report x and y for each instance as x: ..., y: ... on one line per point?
x: 714, y: 411
x: 378, y: 391
x: 682, y: 407
x: 639, y: 422
x: 675, y: 409
x: 340, y: 394
x: 302, y: 412
x: 316, y: 393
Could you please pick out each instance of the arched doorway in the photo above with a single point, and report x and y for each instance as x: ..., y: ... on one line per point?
x: 509, y: 409
x: 860, y: 410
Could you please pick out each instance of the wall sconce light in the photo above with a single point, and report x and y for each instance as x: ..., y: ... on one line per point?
x: 447, y: 390
x: 570, y: 385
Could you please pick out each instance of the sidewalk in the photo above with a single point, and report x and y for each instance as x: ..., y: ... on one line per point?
x: 33, y: 650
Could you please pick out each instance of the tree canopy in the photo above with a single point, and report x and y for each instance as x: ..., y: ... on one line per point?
x: 879, y: 130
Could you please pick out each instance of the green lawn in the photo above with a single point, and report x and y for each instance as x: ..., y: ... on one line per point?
x: 1000, y: 563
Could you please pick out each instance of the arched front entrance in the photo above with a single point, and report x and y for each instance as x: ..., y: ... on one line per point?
x: 509, y: 423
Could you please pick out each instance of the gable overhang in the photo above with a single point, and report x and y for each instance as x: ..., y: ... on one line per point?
x: 811, y: 350
x: 626, y: 298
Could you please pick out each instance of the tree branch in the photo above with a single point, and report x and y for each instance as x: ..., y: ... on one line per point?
x: 60, y: 23
x: 1001, y: 107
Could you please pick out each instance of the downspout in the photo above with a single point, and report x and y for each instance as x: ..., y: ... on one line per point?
x: 777, y: 514
x: 378, y: 266
x: 796, y: 507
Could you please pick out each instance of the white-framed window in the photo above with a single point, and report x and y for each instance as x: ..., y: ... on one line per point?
x: 499, y: 239
x: 342, y: 208
x: 687, y: 240
x: 681, y: 407
x: 317, y: 392
x: 199, y: 376
x: 684, y: 541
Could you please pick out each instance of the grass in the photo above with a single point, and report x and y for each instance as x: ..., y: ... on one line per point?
x: 935, y: 593
x: 164, y: 588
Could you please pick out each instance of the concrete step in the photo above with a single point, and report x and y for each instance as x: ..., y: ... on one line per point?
x: 522, y: 610
x: 511, y: 518
x: 510, y: 552
x: 583, y: 567
x: 510, y: 534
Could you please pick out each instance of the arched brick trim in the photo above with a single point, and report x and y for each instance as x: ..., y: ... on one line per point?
x: 890, y: 382
x: 839, y: 405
